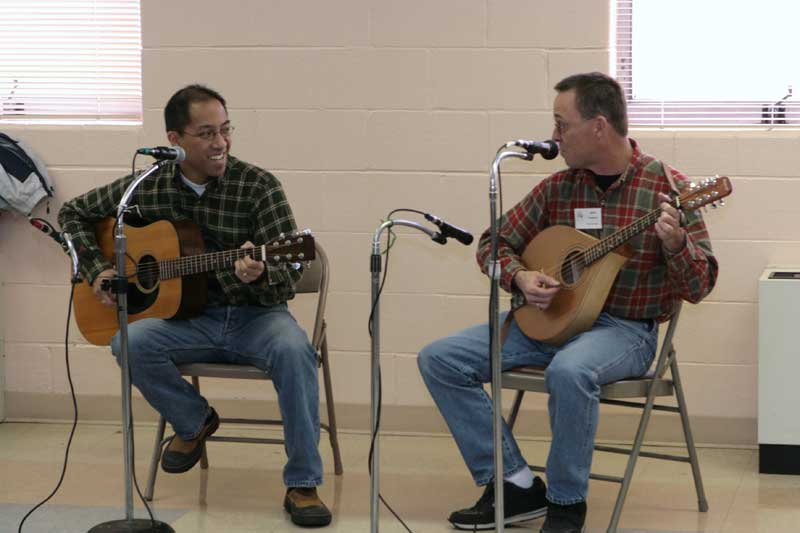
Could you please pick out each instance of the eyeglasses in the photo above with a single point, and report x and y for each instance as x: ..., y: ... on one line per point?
x: 562, y: 127
x: 209, y: 135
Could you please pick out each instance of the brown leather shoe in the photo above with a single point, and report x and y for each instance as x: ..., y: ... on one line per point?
x: 181, y: 455
x: 305, y: 507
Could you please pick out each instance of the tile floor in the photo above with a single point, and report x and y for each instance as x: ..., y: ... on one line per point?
x: 422, y: 477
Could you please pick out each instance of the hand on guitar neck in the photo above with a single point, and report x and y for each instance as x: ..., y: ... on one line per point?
x: 538, y: 288
x: 248, y: 269
x: 668, y: 226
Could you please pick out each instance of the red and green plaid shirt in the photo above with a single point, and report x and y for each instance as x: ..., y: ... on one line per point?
x: 652, y: 280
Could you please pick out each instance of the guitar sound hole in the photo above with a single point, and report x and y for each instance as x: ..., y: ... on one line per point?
x: 572, y: 268
x: 147, y: 272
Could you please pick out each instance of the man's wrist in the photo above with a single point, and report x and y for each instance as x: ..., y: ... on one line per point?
x: 680, y: 247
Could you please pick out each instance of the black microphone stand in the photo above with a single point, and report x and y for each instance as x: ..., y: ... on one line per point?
x: 375, y: 360
x: 119, y: 286
x: 494, y: 329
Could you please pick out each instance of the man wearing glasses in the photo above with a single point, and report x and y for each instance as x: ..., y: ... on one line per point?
x: 608, y: 184
x: 246, y: 321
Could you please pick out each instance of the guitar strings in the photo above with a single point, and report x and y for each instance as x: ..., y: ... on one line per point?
x: 181, y: 263
x: 602, y: 247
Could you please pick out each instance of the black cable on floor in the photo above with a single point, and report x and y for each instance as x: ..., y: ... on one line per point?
x: 74, y: 426
x: 74, y: 418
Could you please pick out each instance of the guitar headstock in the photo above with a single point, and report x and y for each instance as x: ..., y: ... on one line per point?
x: 294, y: 248
x: 710, y: 191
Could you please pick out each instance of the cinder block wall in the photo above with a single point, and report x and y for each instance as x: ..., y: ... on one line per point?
x: 363, y: 106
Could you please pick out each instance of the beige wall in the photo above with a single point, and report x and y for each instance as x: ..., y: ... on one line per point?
x: 362, y: 106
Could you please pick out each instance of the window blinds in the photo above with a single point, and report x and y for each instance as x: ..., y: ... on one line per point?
x: 70, y: 60
x: 689, y: 64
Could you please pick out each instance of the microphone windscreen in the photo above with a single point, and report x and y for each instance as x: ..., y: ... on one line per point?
x: 552, y: 151
x: 181, y: 153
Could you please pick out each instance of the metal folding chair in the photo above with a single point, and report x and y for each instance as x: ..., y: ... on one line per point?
x: 649, y: 386
x: 315, y: 279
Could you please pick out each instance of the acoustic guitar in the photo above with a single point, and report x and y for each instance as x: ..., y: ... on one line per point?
x: 166, y: 268
x: 586, y: 267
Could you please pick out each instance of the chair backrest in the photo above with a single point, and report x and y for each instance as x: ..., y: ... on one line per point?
x: 315, y: 278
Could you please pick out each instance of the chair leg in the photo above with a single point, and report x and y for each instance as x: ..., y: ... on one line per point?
x: 204, y: 457
x: 155, y: 459
x: 634, y: 456
x: 512, y: 417
x: 332, y: 431
x: 702, y: 503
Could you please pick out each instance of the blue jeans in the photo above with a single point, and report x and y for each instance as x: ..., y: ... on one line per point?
x: 456, y: 367
x: 268, y: 338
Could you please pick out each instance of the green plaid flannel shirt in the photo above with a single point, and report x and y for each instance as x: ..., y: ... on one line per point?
x: 246, y: 203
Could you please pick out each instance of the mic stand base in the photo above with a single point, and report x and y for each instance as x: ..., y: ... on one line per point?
x: 132, y: 526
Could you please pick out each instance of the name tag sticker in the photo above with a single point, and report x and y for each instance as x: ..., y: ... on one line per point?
x: 589, y: 218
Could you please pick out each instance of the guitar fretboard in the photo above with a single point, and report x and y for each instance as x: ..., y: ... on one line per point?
x: 619, y: 237
x: 196, y: 264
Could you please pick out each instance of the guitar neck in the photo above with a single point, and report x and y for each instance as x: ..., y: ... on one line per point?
x: 620, y: 237
x: 196, y: 264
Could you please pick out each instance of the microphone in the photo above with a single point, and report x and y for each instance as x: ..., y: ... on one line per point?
x: 448, y: 230
x: 48, y: 229
x: 547, y: 149
x: 164, y: 152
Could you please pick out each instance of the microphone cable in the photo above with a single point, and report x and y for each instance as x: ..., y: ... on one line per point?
x: 389, y: 243
x: 74, y: 418
x: 74, y: 426
x: 75, y: 423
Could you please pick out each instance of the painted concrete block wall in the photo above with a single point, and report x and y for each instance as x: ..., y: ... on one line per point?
x: 363, y: 106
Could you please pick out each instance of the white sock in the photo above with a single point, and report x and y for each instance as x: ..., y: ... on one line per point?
x: 522, y: 478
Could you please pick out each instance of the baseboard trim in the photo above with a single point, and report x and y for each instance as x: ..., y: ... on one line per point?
x: 615, y: 425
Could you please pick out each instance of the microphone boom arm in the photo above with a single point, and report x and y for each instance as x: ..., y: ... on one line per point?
x: 376, y: 239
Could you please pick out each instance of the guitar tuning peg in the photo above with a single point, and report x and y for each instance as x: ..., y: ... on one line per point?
x: 722, y: 202
x: 713, y: 205
x: 282, y: 236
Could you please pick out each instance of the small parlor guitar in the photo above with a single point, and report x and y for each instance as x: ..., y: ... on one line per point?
x: 166, y: 272
x: 587, y: 267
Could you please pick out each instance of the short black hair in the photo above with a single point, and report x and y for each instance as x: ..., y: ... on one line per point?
x: 598, y: 94
x: 176, y: 112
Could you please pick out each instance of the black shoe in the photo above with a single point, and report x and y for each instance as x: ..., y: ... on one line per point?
x: 181, y: 455
x: 564, y: 518
x: 519, y: 505
x: 305, y: 508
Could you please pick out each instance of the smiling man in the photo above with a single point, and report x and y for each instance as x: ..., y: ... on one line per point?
x: 246, y: 321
